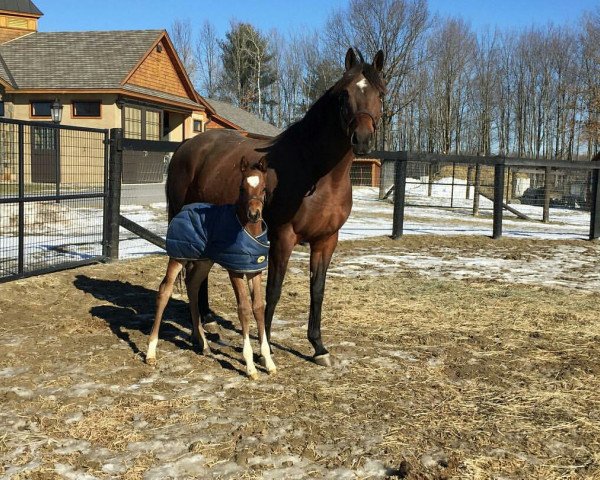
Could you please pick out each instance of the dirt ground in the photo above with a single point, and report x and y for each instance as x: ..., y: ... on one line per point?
x: 433, y: 377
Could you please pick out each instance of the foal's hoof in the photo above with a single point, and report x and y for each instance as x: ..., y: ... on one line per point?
x: 207, y: 352
x: 253, y: 376
x: 323, y: 360
x: 150, y: 361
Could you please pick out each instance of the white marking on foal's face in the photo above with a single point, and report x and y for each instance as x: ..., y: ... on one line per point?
x: 253, y: 181
x: 362, y: 84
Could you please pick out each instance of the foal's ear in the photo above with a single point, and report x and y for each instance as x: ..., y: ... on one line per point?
x: 378, y: 61
x: 262, y: 164
x: 351, y: 59
x: 244, y: 164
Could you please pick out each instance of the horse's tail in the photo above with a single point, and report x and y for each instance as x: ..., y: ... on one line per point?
x: 171, y: 209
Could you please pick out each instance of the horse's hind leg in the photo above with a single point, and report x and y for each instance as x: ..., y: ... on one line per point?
x: 194, y: 278
x: 258, y: 309
x: 162, y: 298
x: 244, y: 314
x: 208, y: 317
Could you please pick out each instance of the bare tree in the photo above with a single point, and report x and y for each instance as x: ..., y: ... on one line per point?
x: 591, y: 73
x: 181, y: 33
x: 398, y: 28
x: 208, y: 61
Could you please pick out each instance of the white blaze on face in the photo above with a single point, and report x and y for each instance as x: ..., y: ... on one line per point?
x: 362, y: 84
x: 253, y: 181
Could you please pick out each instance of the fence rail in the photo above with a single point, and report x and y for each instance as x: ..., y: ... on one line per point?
x: 492, y: 178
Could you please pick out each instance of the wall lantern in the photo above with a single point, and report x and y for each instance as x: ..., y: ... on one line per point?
x: 56, y: 111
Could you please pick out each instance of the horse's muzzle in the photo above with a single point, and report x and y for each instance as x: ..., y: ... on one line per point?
x: 361, y: 143
x: 254, y: 217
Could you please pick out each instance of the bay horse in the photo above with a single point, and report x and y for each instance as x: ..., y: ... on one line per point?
x: 308, y: 176
x: 240, y: 246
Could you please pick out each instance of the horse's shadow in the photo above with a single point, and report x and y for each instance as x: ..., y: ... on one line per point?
x: 133, y: 306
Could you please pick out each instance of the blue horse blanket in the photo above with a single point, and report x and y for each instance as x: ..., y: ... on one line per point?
x: 205, y: 231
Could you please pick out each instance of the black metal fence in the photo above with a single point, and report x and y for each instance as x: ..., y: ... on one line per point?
x: 495, y: 184
x: 120, y: 226
x: 52, y: 197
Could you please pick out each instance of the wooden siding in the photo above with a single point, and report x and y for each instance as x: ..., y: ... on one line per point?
x: 158, y: 73
x: 14, y: 26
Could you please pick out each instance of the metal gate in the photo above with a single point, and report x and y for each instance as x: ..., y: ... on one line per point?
x: 53, y: 184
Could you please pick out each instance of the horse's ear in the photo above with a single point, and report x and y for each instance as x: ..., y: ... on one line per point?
x: 351, y: 59
x: 378, y: 61
x: 244, y: 164
x: 262, y: 164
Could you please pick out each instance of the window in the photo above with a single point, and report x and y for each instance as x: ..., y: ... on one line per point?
x: 41, y: 109
x: 141, y: 123
x: 133, y: 122
x: 1, y: 108
x: 197, y: 125
x: 152, y: 125
x: 86, y: 109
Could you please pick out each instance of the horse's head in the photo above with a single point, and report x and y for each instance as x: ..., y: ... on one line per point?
x: 360, y: 92
x: 253, y: 189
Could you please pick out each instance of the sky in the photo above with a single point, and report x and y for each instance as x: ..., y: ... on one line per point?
x: 286, y: 15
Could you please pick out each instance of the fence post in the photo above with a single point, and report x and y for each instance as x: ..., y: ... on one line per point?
x: 498, y: 197
x: 21, y: 160
x: 112, y: 201
x: 595, y: 206
x: 546, y: 212
x: 476, y: 190
x: 399, y: 195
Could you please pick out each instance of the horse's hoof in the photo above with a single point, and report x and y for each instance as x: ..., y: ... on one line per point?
x: 207, y: 352
x: 323, y: 360
x: 211, y: 327
x: 273, y: 371
x: 151, y: 361
x: 253, y: 376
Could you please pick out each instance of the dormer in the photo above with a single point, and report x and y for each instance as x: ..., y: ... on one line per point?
x: 17, y: 18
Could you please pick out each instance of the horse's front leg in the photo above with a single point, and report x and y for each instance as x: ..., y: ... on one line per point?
x: 244, y: 314
x: 258, y: 309
x: 320, y: 256
x: 282, y: 244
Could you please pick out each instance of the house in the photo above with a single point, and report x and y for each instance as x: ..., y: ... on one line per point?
x: 227, y: 115
x: 132, y: 80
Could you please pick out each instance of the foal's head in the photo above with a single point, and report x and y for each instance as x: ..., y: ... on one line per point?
x: 360, y: 93
x: 253, y: 190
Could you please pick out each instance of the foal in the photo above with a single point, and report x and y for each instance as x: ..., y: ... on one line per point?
x: 234, y: 236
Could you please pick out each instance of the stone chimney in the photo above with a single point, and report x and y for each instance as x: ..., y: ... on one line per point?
x: 17, y: 18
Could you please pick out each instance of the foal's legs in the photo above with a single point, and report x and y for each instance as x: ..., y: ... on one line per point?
x: 195, y: 276
x: 258, y: 308
x: 162, y: 298
x: 245, y: 315
x: 320, y: 256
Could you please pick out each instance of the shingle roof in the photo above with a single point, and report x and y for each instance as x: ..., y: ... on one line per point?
x: 163, y: 95
x: 21, y: 6
x: 246, y: 120
x: 75, y: 59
